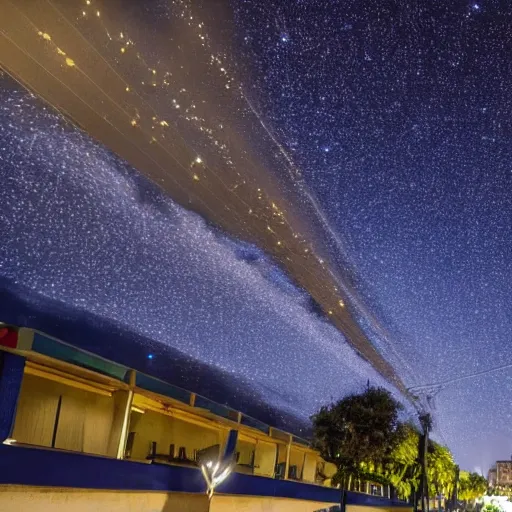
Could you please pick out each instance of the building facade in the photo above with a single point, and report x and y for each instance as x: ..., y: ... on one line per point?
x: 503, y: 473
x: 78, y: 431
x: 491, y: 477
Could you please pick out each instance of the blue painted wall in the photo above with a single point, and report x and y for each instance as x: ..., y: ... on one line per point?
x: 42, y: 467
x: 11, y: 376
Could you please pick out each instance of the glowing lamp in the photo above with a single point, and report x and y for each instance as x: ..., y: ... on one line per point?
x: 215, y: 468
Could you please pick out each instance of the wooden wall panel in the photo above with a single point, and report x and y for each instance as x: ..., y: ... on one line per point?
x: 265, y: 459
x: 98, y: 423
x: 70, y: 430
x: 35, y: 417
x: 85, y: 418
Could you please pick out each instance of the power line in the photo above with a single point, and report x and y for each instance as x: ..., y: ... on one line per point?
x: 444, y: 383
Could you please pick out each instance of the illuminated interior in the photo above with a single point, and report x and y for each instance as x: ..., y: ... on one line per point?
x: 115, y: 412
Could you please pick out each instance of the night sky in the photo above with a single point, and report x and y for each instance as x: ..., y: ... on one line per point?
x: 399, y: 116
x: 395, y: 120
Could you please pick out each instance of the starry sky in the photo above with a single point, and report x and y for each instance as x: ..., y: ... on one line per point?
x: 81, y: 227
x: 398, y: 114
x: 393, y: 119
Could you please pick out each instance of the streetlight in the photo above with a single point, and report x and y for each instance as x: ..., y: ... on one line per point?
x: 216, y: 471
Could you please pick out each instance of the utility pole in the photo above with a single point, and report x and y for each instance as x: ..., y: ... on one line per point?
x: 455, y: 494
x: 426, y: 424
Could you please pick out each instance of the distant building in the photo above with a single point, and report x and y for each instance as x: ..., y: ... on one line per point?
x: 491, y: 477
x: 503, y: 473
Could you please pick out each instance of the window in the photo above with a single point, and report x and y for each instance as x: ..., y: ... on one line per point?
x: 61, y: 412
x: 166, y: 436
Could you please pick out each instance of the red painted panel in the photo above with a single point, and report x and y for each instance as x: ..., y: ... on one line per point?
x: 8, y: 337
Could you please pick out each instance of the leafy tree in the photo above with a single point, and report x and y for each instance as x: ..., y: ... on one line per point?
x: 359, y: 429
x: 402, y: 469
x: 440, y: 469
x: 361, y: 434
x: 471, y: 486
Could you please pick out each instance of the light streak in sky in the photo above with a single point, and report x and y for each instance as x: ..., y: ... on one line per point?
x: 125, y: 41
x: 83, y: 228
x: 350, y: 293
x: 421, y: 212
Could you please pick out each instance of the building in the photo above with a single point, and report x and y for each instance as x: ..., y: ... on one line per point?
x: 78, y: 432
x: 503, y: 473
x: 491, y: 477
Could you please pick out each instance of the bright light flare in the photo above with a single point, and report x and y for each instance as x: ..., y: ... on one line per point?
x: 215, y: 474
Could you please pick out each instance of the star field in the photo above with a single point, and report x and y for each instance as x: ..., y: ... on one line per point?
x: 398, y: 115
x: 81, y: 227
x: 387, y: 127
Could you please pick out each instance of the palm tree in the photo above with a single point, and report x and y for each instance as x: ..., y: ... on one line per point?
x: 402, y: 470
x: 441, y: 469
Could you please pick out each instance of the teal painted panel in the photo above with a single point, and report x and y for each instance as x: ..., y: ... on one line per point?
x: 162, y: 388
x: 251, y: 422
x: 62, y: 352
x: 215, y: 408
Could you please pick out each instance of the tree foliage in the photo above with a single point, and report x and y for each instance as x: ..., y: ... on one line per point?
x: 471, y: 486
x: 363, y: 436
x: 440, y: 469
x: 402, y: 469
x: 358, y: 428
x: 501, y: 490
